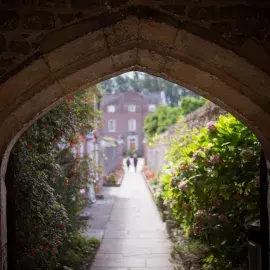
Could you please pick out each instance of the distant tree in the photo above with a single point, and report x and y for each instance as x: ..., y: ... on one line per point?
x: 159, y: 121
x: 165, y: 116
x: 140, y: 81
x: 190, y: 104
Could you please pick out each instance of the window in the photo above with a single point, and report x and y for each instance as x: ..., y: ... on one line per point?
x: 131, y: 108
x: 152, y: 108
x: 132, y: 124
x: 111, y: 108
x: 111, y: 125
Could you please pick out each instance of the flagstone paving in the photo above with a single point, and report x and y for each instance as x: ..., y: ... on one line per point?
x: 134, y: 236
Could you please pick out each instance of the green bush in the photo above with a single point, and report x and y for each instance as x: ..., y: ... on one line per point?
x: 165, y: 116
x: 188, y: 254
x: 190, y: 104
x: 111, y: 180
x: 211, y: 187
x: 76, y: 250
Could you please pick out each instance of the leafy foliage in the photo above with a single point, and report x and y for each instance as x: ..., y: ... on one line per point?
x: 190, y: 104
x: 48, y: 183
x: 165, y: 116
x: 210, y: 185
x: 77, y: 251
x: 159, y: 121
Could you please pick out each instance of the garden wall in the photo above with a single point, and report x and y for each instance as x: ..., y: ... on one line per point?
x: 155, y: 155
x: 112, y: 159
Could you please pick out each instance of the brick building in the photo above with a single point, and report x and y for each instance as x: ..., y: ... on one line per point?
x: 123, y: 117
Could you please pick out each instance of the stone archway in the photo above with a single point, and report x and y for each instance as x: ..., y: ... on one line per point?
x: 92, y: 50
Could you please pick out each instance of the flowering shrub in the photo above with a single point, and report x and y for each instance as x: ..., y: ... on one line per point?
x: 113, y: 178
x: 211, y: 187
x: 149, y: 174
x: 48, y: 182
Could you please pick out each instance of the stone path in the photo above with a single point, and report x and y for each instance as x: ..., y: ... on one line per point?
x: 134, y: 236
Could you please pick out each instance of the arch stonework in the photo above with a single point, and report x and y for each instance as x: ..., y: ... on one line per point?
x: 85, y: 53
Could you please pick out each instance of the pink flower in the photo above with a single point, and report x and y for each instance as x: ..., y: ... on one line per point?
x: 223, y: 218
x: 215, y: 159
x: 62, y: 226
x: 248, y: 154
x: 182, y: 166
x: 57, y: 240
x: 183, y: 185
x: 201, y: 212
x: 173, y: 182
x: 196, y: 155
x: 257, y: 181
x: 206, y: 150
x: 216, y: 203
x: 211, y: 126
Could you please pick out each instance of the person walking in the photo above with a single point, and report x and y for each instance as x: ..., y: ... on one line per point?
x: 135, y: 162
x: 128, y: 163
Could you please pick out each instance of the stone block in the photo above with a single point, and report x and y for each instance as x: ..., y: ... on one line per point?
x: 225, y: 62
x: 3, y: 71
x: 21, y: 47
x: 175, y: 9
x: 240, y: 12
x: 67, y: 17
x: 125, y: 59
x: 123, y: 46
x: 38, y: 20
x: 75, y: 50
x: 2, y: 43
x: 122, y: 31
x: 89, y: 75
x: 13, y: 3
x: 8, y: 130
x: 25, y: 79
x: 162, y: 49
x: 257, y: 54
x: 9, y: 20
x: 157, y: 32
x: 203, y: 13
x: 39, y: 104
x: 110, y: 17
x: 6, y: 62
x: 221, y: 28
x: 117, y: 3
x: 82, y: 63
x: 82, y: 4
x: 57, y: 38
x: 151, y: 60
x: 51, y: 3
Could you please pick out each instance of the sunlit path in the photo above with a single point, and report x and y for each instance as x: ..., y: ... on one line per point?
x: 135, y: 237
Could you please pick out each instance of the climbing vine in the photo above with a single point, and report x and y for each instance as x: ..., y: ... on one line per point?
x: 48, y: 179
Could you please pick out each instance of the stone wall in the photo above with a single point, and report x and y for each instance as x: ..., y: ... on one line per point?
x: 51, y: 48
x: 112, y: 159
x: 155, y: 155
x: 202, y: 116
x: 26, y: 24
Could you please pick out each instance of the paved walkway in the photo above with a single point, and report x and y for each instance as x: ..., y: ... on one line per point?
x: 134, y: 236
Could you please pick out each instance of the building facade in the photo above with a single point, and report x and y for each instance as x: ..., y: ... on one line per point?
x: 123, y: 117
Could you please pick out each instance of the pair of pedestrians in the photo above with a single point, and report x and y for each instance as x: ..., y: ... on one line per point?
x: 135, y: 162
